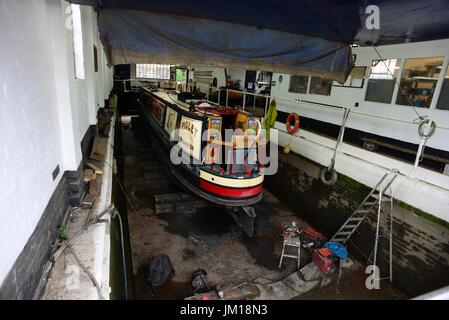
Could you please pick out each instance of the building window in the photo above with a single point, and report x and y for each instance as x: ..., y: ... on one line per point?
x: 181, y: 75
x: 443, y: 100
x: 77, y: 41
x: 355, y: 78
x: 382, y: 80
x: 153, y: 71
x: 320, y: 86
x: 298, y: 84
x: 418, y: 82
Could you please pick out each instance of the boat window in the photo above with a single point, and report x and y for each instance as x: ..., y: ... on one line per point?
x: 153, y: 71
x: 382, y: 80
x: 298, y: 84
x: 320, y: 86
x: 419, y: 79
x: 443, y: 101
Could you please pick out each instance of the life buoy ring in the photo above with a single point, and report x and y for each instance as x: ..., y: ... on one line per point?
x: 292, y: 129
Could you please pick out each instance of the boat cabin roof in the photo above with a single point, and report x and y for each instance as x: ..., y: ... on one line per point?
x: 202, y: 107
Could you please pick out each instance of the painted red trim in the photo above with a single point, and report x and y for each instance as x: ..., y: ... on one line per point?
x: 231, y: 192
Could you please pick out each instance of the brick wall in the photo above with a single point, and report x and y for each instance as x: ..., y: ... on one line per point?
x: 421, y: 247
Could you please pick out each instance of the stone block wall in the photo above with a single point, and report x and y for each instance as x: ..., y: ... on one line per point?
x: 421, y: 246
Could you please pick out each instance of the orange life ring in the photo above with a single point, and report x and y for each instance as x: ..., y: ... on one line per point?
x: 290, y: 128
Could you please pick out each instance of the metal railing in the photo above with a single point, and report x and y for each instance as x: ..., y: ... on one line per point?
x: 244, y: 94
x: 129, y: 85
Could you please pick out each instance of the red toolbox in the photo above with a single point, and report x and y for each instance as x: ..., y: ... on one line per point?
x: 322, y: 259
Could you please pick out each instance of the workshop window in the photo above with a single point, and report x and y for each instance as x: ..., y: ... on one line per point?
x: 298, y: 84
x: 418, y: 82
x: 320, y: 86
x: 153, y: 71
x: 77, y: 41
x: 382, y: 80
x: 181, y: 75
x: 355, y: 78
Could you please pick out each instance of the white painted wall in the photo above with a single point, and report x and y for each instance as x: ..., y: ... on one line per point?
x: 237, y: 74
x: 216, y: 72
x: 423, y: 189
x: 44, y: 111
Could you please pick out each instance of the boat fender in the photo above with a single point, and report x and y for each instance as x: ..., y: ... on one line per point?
x: 328, y: 176
x: 292, y: 129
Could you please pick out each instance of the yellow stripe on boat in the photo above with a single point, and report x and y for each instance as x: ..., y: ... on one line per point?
x: 231, y: 182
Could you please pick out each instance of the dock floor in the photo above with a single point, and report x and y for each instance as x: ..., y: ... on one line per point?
x: 204, y: 238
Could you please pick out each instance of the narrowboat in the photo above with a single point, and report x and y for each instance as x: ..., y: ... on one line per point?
x: 192, y: 141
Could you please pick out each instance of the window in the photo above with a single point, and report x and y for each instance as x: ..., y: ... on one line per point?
x: 320, y: 86
x: 153, y: 71
x: 382, y: 80
x: 443, y: 101
x: 298, y: 84
x: 418, y: 82
x: 384, y: 69
x: 181, y: 75
x: 77, y: 41
x: 355, y: 78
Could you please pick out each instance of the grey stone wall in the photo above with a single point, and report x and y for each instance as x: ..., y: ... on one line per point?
x: 421, y: 247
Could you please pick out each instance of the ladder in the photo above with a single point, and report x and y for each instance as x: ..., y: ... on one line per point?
x: 372, y: 201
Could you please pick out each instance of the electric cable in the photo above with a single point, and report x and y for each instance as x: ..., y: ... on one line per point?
x: 115, y: 213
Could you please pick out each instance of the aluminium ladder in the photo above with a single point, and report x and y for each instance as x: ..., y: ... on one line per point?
x: 372, y: 201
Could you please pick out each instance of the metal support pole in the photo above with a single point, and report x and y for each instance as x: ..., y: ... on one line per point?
x: 340, y: 138
x: 422, y: 144
x: 266, y: 105
x: 219, y: 93
x: 419, y: 153
x: 244, y: 100
x: 226, y: 97
x: 377, y: 229
x: 391, y: 236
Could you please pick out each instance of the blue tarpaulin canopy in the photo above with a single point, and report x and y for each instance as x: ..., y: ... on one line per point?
x: 309, y: 36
